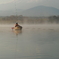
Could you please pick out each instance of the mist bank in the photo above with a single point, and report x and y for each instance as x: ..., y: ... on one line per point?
x: 29, y: 20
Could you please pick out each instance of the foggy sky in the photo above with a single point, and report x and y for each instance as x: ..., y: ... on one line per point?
x: 26, y: 4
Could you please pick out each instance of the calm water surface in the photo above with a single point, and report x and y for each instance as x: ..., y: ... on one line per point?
x: 31, y: 43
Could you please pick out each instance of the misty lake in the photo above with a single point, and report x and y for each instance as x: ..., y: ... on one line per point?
x: 34, y: 42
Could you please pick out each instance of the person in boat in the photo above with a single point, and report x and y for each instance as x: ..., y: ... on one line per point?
x: 17, y: 25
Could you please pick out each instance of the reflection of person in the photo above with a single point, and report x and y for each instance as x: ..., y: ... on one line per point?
x: 18, y: 32
x: 17, y: 24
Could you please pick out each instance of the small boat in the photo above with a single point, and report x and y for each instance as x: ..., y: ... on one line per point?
x: 18, y: 28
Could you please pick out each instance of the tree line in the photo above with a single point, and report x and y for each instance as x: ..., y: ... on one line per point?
x: 29, y: 20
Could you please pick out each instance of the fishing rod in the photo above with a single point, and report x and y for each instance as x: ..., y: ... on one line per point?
x: 16, y: 35
x: 15, y: 8
x: 15, y: 13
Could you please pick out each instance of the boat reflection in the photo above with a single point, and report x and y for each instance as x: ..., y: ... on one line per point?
x: 17, y: 32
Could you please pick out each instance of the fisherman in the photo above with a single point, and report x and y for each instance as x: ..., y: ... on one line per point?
x: 17, y: 24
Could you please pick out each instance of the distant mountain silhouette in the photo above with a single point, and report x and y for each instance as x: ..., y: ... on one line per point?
x: 41, y: 11
x: 10, y: 12
x: 35, y: 11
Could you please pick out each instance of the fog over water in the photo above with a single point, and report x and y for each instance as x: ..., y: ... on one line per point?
x: 34, y: 42
x: 33, y: 26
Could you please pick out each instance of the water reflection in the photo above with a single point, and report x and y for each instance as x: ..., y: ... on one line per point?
x: 17, y: 32
x: 33, y: 43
